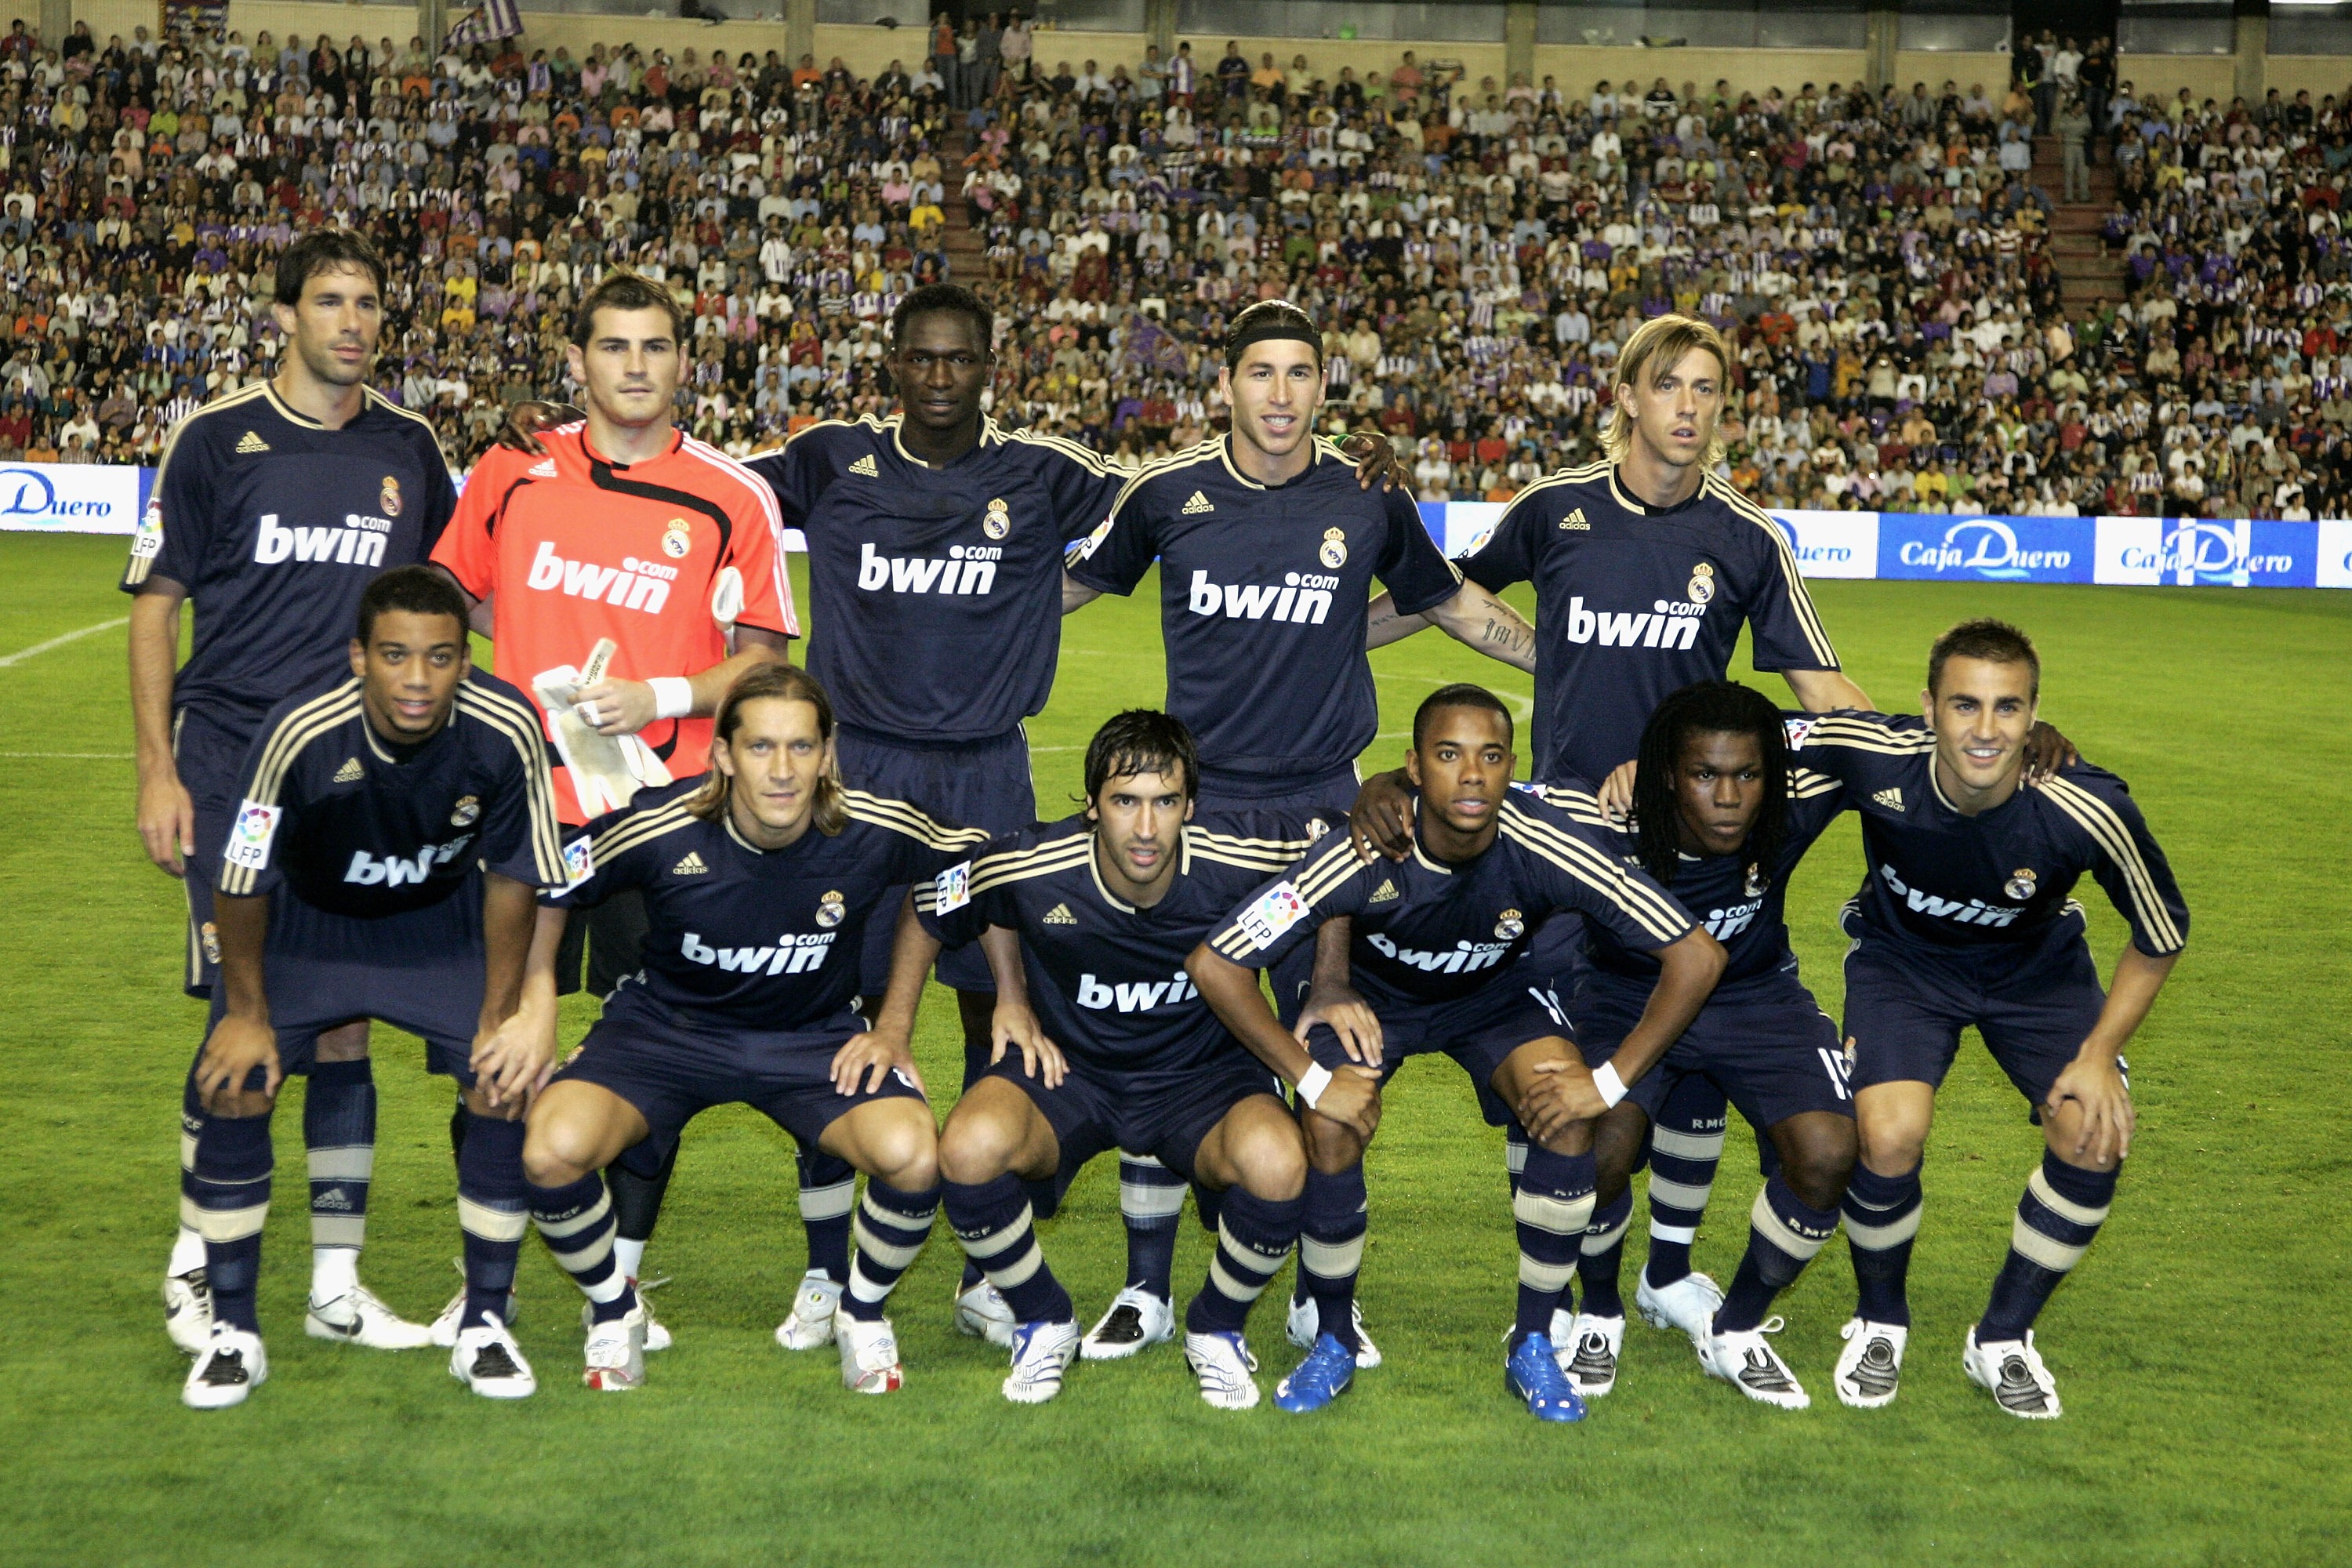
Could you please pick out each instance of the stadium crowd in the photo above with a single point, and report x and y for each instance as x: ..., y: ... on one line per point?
x: 1478, y: 255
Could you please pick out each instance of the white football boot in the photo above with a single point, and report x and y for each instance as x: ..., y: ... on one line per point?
x: 1870, y: 1368
x: 1042, y: 1352
x: 656, y: 1334
x: 1588, y: 1348
x: 1745, y: 1359
x: 810, y: 1322
x: 615, y: 1354
x: 2012, y: 1373
x: 487, y: 1359
x: 1137, y: 1320
x: 869, y: 1354
x: 981, y: 1312
x: 358, y: 1318
x: 231, y: 1366
x: 188, y: 1310
x: 1224, y: 1364
x: 1305, y: 1326
x: 1688, y: 1305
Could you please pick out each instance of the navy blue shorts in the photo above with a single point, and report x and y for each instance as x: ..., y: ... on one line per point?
x: 1764, y: 1042
x: 673, y: 1068
x: 1907, y: 1002
x: 978, y: 783
x: 1162, y: 1114
x: 1299, y: 795
x: 1478, y: 1031
x: 209, y: 754
x: 420, y: 971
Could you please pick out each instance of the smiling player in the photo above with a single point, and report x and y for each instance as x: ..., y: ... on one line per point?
x: 1964, y: 918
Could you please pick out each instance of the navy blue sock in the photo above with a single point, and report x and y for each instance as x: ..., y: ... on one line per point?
x: 828, y: 1193
x: 2057, y: 1219
x: 1331, y: 1248
x: 1784, y: 1232
x: 339, y: 1134
x: 1602, y: 1254
x: 576, y: 1223
x: 992, y: 1221
x: 1552, y: 1209
x: 892, y: 1226
x: 492, y: 1212
x: 231, y: 1201
x: 1151, y: 1205
x: 1255, y: 1236
x: 1685, y: 1147
x: 1882, y: 1220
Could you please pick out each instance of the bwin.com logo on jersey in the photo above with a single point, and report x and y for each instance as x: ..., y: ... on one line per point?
x: 1986, y: 546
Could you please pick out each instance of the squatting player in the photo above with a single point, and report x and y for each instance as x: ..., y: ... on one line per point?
x: 624, y: 528
x: 1434, y: 951
x: 1646, y: 565
x: 935, y: 528
x: 759, y: 881
x: 393, y: 827
x: 1720, y: 820
x: 1107, y: 903
x: 1964, y: 918
x: 274, y: 508
x: 1268, y: 558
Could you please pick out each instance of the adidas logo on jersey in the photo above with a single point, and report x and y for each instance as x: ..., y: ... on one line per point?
x: 866, y: 466
x: 1060, y: 915
x: 1197, y: 505
x: 1892, y: 799
x: 350, y: 772
x: 251, y: 444
x: 543, y: 469
x: 633, y: 585
x: 1385, y: 893
x: 691, y: 865
x: 1575, y: 520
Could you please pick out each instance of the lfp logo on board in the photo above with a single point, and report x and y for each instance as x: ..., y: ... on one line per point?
x: 1986, y: 549
x: 69, y: 498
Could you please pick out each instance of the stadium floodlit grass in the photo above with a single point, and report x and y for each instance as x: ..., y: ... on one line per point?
x: 2197, y: 1349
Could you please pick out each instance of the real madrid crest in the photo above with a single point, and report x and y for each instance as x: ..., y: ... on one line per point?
x: 999, y: 521
x: 1702, y: 582
x: 831, y: 909
x: 1754, y: 880
x: 2020, y: 884
x: 677, y: 538
x: 462, y: 815
x: 211, y: 934
x: 1509, y: 926
x: 390, y: 496
x: 1316, y: 828
x: 1334, y: 552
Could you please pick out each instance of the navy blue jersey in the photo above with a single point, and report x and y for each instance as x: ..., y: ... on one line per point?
x: 359, y: 825
x: 1428, y: 931
x: 1741, y: 902
x: 1106, y: 979
x: 1264, y: 592
x: 1934, y: 876
x: 761, y: 939
x: 936, y: 593
x: 275, y: 524
x: 1633, y: 602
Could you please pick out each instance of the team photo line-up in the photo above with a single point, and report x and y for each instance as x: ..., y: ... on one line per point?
x: 1212, y: 968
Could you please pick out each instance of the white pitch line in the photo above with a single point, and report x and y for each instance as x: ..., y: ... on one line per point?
x: 70, y: 756
x: 21, y: 655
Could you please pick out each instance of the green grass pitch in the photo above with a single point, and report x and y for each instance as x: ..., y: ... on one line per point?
x: 2197, y: 1348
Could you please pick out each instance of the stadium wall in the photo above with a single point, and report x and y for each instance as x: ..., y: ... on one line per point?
x: 84, y: 498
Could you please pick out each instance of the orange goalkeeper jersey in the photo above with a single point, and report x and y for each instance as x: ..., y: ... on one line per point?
x: 571, y: 548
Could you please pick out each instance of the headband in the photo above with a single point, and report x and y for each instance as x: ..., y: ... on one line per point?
x: 1270, y: 326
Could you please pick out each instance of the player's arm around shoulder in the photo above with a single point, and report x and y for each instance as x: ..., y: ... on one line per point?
x: 1114, y: 557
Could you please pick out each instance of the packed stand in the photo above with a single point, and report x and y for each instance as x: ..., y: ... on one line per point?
x: 1477, y: 254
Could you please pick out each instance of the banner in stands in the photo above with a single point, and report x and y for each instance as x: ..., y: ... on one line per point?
x: 88, y: 498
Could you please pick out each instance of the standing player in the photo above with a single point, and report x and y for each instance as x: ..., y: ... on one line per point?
x: 624, y: 529
x: 1107, y: 904
x: 730, y: 1008
x: 935, y: 528
x: 1721, y: 821
x: 1433, y: 952
x: 349, y: 887
x: 1964, y: 918
x: 274, y: 508
x: 1267, y: 557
